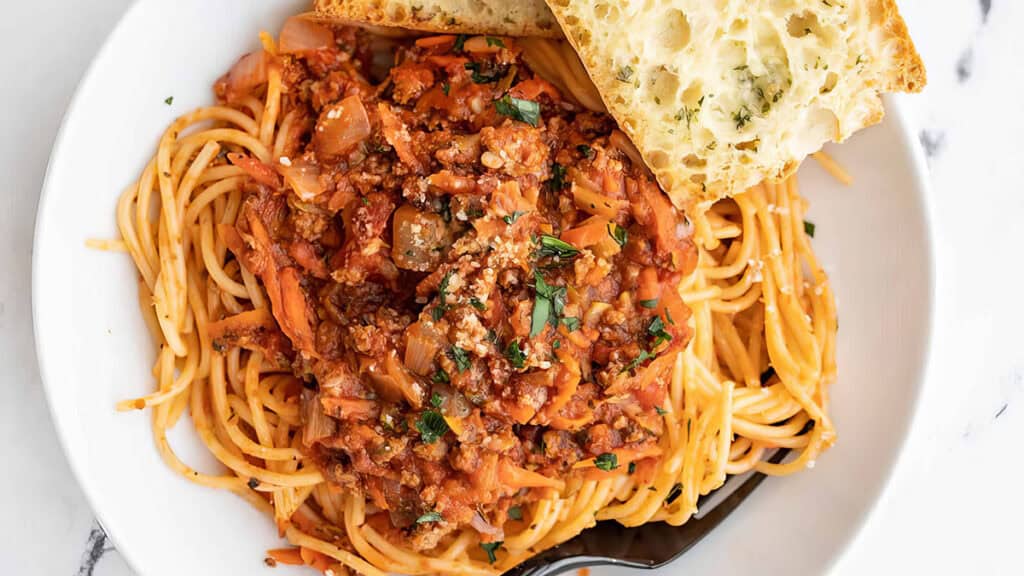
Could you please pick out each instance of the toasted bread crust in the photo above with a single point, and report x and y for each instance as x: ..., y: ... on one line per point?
x: 498, y: 17
x: 906, y: 72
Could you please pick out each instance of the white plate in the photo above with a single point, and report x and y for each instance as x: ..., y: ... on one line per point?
x: 94, y: 349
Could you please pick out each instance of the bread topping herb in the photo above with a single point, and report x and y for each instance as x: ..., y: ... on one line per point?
x: 741, y: 117
x: 526, y: 111
x: 625, y: 74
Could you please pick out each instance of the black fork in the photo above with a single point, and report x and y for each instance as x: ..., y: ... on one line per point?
x: 648, y: 546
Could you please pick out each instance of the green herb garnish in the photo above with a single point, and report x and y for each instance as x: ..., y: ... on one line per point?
x: 460, y: 42
x: 492, y: 41
x: 674, y: 494
x: 625, y: 74
x: 436, y: 400
x: 618, y: 233
x: 741, y: 117
x: 571, y: 323
x: 649, y: 304
x: 809, y: 228
x: 441, y: 377
x: 446, y: 88
x: 551, y: 246
x: 460, y: 357
x: 547, y: 306
x: 640, y: 359
x: 557, y: 181
x: 490, y: 547
x: 480, y: 77
x: 587, y: 151
x: 429, y: 517
x: 515, y: 355
x: 515, y: 513
x: 511, y: 218
x: 476, y: 303
x: 606, y: 461
x: 657, y: 330
x: 431, y: 426
x: 661, y: 411
x: 526, y: 111
x: 632, y: 468
x: 169, y: 100
x: 442, y: 296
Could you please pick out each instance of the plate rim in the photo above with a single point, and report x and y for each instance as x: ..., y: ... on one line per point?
x: 896, y: 106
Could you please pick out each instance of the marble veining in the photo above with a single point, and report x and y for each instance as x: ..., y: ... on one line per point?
x: 95, y: 548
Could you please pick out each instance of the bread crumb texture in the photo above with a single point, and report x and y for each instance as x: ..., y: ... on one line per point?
x: 721, y: 94
x: 498, y: 17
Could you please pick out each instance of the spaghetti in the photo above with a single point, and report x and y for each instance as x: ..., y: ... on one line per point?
x: 754, y: 376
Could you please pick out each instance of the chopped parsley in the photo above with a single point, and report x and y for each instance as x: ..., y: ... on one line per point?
x: 430, y: 517
x: 436, y: 400
x: 169, y: 100
x: 618, y: 233
x: 551, y: 246
x: 460, y: 42
x: 490, y: 547
x: 476, y: 303
x: 556, y: 344
x: 741, y: 117
x: 366, y: 201
x: 632, y: 468
x: 557, y: 181
x: 431, y: 426
x: 809, y: 228
x: 482, y: 77
x: 661, y: 411
x: 571, y: 323
x: 460, y: 357
x: 642, y: 357
x: 625, y: 74
x: 515, y: 513
x: 649, y: 304
x: 526, y: 111
x: 674, y: 494
x: 515, y: 355
x: 606, y: 461
x: 441, y: 377
x: 442, y: 296
x: 446, y: 88
x: 587, y: 151
x: 492, y: 41
x: 547, y: 306
x: 656, y: 329
x: 511, y: 218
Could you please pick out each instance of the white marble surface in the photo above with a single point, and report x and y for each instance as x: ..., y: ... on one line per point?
x: 954, y: 503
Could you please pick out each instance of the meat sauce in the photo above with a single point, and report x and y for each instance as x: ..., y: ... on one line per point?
x: 476, y: 283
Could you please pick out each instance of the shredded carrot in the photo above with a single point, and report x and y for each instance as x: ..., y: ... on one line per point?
x: 430, y: 41
x: 589, y: 232
x: 516, y: 477
x: 648, y: 288
x: 290, y: 556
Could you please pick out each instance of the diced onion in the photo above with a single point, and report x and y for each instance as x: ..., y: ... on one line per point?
x: 303, y: 178
x: 422, y: 344
x: 301, y: 35
x: 249, y: 72
x: 316, y: 423
x: 341, y: 127
x: 481, y: 525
